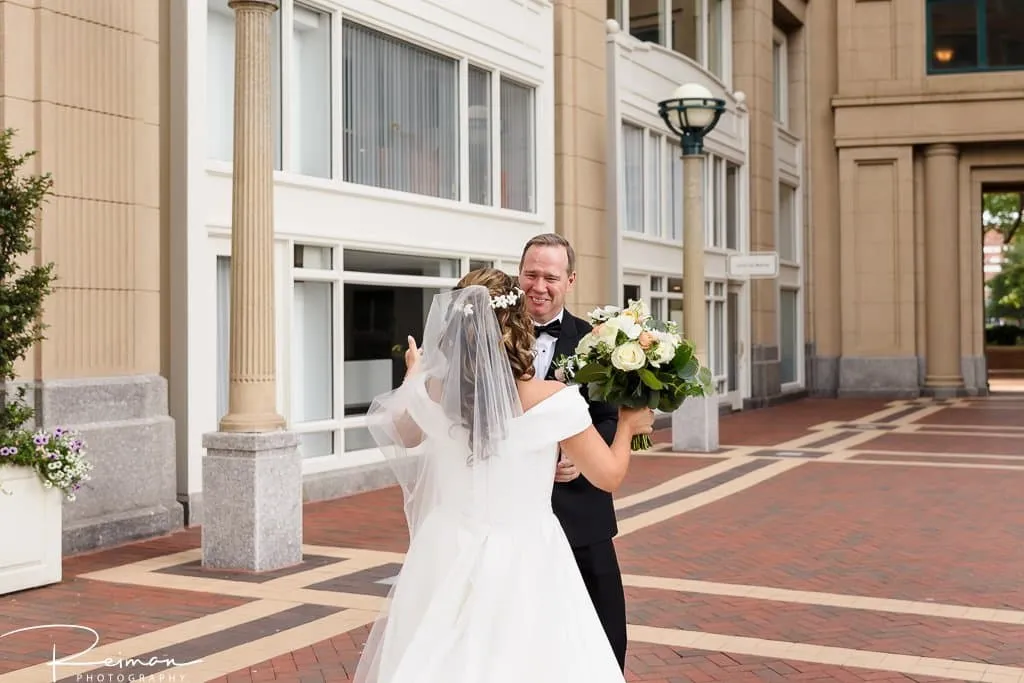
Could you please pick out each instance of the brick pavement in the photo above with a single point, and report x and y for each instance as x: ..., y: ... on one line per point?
x: 778, y: 571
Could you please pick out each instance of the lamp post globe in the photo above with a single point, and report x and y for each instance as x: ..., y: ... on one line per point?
x: 691, y: 113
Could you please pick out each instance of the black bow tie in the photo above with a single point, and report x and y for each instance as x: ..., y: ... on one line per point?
x: 553, y: 328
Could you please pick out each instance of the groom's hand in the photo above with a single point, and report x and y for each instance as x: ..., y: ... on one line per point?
x: 566, y: 471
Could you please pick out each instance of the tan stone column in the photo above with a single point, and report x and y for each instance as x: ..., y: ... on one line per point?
x: 252, y: 391
x: 942, y: 270
x: 694, y: 316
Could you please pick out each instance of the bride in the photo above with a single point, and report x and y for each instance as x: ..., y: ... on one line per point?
x: 489, y: 591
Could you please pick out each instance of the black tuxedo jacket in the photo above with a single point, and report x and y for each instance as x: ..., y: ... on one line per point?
x: 586, y: 513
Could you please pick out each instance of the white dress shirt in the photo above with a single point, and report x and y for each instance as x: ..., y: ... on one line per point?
x: 545, y: 346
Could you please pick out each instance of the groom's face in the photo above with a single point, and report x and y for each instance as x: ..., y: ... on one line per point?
x: 544, y: 276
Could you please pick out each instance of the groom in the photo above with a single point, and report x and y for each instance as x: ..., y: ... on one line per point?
x: 547, y: 271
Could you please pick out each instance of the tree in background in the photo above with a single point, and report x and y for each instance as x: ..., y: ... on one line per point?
x: 1003, y: 213
x: 22, y: 289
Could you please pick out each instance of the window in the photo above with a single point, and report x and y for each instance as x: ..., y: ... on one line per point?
x: 975, y: 35
x: 787, y: 224
x: 715, y: 202
x: 480, y: 163
x: 652, y: 182
x: 220, y: 81
x: 630, y: 293
x: 732, y: 206
x: 311, y: 92
x: 312, y: 412
x: 386, y: 297
x: 788, y: 336
x: 698, y: 29
x: 714, y: 309
x: 715, y: 61
x: 780, y: 78
x: 517, y: 140
x: 401, y: 111
x: 633, y: 168
x: 667, y: 299
x: 223, y: 333
x: 675, y: 226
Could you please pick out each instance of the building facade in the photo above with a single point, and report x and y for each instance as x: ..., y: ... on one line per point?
x: 416, y: 141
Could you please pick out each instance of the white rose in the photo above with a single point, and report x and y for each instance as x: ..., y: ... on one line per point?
x: 586, y: 345
x: 665, y: 350
x: 605, y: 334
x: 626, y: 324
x: 629, y: 357
x: 603, y: 313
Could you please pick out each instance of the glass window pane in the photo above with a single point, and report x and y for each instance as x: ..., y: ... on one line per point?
x: 517, y: 143
x: 316, y: 444
x: 715, y: 198
x: 675, y: 228
x: 686, y: 28
x: 220, y: 81
x: 358, y: 439
x: 312, y: 352
x: 480, y: 173
x: 477, y: 265
x: 223, y: 333
x: 653, y: 185
x: 675, y: 284
x: 718, y: 318
x: 630, y: 293
x: 311, y: 99
x: 377, y: 321
x: 645, y: 20
x: 657, y: 283
x: 1004, y: 38
x: 314, y: 258
x: 633, y: 171
x: 400, y: 264
x: 401, y: 115
x: 733, y: 348
x: 780, y: 80
x: 954, y: 34
x: 716, y: 38
x: 675, y: 313
x: 787, y: 223
x: 732, y: 198
x: 788, y: 335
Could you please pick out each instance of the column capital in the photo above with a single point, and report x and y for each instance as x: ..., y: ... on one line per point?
x: 265, y: 5
x: 942, y: 149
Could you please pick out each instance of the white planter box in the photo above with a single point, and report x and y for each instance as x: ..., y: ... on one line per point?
x: 30, y: 536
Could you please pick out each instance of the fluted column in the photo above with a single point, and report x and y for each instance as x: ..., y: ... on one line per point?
x: 942, y: 270
x: 252, y: 392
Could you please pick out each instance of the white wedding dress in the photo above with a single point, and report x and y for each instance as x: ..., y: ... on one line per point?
x: 489, y: 591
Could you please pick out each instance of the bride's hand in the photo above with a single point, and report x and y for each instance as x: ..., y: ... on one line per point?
x: 413, y: 355
x: 638, y: 421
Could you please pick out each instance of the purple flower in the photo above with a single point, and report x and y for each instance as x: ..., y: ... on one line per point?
x: 76, y: 445
x: 59, y: 431
x: 41, y: 439
x: 4, y: 450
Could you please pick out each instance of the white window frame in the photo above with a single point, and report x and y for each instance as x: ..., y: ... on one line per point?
x: 797, y: 234
x: 657, y: 228
x: 288, y: 173
x: 334, y: 425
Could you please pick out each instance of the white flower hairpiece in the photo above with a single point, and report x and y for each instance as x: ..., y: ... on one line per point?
x: 506, y: 300
x: 467, y: 309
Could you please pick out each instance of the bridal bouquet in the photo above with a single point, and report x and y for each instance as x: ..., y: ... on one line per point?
x: 631, y: 360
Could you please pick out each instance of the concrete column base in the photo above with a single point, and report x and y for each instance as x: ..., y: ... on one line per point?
x: 695, y: 425
x: 252, y: 495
